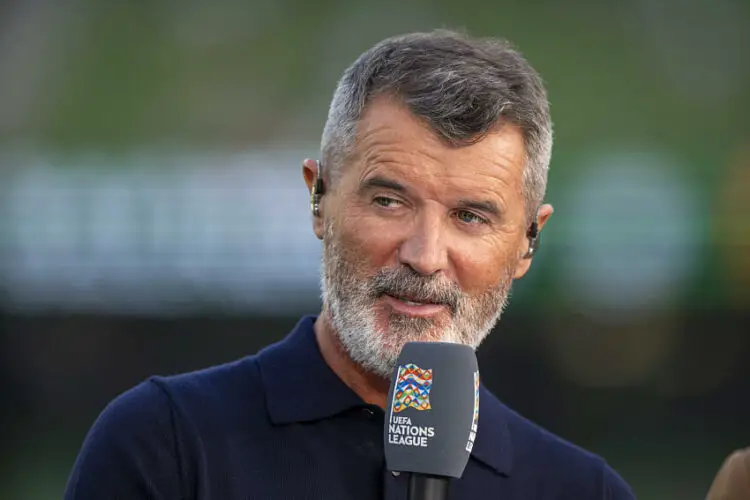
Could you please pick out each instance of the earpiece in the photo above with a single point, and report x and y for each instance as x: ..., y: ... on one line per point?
x: 317, y: 192
x: 533, y: 236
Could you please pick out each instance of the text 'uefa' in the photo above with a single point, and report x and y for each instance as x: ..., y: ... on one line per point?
x: 401, y: 431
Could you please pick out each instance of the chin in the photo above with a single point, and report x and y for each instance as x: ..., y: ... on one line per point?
x: 395, y: 330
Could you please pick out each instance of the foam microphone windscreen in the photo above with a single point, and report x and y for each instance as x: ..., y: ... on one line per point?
x: 433, y: 409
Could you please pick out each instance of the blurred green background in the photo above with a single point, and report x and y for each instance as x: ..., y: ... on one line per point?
x: 153, y: 217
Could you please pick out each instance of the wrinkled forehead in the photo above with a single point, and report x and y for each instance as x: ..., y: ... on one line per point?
x: 390, y: 139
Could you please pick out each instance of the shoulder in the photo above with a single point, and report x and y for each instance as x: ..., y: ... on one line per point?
x: 733, y: 478
x: 221, y: 398
x: 139, y: 443
x: 145, y: 407
x: 538, y: 451
x: 164, y: 401
x: 213, y: 386
x: 177, y: 406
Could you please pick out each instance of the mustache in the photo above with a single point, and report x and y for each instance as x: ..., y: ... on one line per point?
x: 406, y: 283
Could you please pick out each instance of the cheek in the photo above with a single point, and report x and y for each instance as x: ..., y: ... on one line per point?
x: 483, y: 266
x: 368, y: 244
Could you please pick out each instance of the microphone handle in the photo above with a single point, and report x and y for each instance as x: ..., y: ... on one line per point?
x: 424, y: 487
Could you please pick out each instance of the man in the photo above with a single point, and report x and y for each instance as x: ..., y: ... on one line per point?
x: 428, y: 201
x: 733, y: 480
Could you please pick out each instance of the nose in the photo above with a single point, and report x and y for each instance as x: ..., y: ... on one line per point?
x: 424, y: 249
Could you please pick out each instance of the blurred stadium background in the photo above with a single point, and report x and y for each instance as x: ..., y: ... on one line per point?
x: 153, y: 217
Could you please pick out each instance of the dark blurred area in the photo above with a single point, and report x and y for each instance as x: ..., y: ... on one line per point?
x: 153, y: 217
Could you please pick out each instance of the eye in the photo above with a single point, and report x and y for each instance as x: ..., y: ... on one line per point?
x: 470, y: 217
x: 386, y: 202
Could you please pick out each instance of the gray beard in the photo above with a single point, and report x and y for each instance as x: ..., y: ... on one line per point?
x: 349, y: 298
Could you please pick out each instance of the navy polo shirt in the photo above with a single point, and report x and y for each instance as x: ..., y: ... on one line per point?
x: 282, y: 425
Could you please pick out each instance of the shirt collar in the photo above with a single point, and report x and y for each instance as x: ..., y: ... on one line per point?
x: 493, y: 444
x: 300, y: 387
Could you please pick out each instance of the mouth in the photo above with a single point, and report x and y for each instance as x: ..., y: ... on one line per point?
x: 411, y: 306
x: 413, y: 301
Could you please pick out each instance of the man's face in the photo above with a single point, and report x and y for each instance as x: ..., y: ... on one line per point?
x: 421, y: 240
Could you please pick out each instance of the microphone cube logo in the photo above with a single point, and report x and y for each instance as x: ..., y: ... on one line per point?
x: 412, y: 389
x: 475, y: 422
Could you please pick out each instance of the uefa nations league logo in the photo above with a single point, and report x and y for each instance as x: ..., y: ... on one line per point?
x: 412, y: 389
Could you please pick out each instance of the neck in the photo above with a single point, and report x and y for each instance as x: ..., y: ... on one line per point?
x: 371, y: 388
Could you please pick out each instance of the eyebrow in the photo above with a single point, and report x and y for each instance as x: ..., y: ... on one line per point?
x: 487, y: 206
x: 382, y: 182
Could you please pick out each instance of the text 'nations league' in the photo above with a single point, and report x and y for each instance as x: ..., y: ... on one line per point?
x: 401, y: 431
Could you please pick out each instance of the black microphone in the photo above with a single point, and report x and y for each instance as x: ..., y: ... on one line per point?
x: 433, y: 409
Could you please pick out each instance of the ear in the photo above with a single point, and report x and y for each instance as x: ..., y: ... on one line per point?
x: 543, y: 215
x: 310, y: 174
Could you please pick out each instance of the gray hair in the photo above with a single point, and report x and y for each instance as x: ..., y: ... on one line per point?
x: 461, y: 86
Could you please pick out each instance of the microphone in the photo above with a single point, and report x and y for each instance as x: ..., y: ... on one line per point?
x: 432, y: 416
